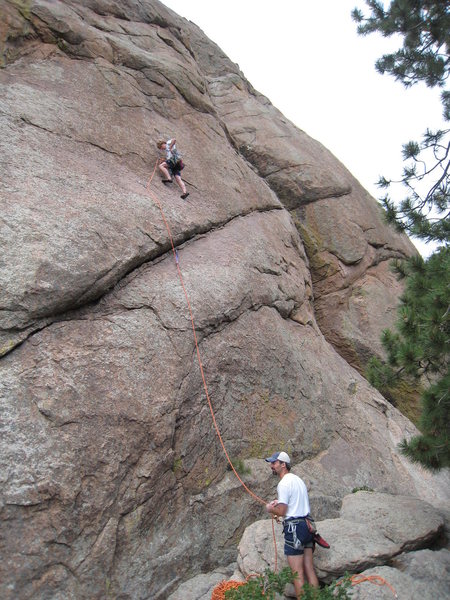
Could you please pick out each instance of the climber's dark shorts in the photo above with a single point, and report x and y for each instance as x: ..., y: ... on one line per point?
x: 297, y: 537
x: 175, y: 169
x: 174, y: 172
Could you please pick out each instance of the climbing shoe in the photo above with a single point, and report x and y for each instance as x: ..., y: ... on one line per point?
x: 166, y: 181
x: 184, y: 196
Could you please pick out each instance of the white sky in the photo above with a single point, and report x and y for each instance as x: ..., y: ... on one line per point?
x: 307, y: 58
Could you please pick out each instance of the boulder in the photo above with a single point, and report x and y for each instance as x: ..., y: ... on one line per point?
x: 201, y: 586
x: 371, y: 530
x: 420, y: 575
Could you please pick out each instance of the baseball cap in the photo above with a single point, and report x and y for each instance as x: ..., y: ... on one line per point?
x: 281, y: 456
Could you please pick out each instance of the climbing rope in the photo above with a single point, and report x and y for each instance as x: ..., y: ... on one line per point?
x: 218, y: 592
x: 180, y: 275
x: 375, y: 579
x: 175, y: 254
x: 223, y: 586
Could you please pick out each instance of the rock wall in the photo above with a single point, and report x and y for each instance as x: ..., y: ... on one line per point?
x: 114, y: 484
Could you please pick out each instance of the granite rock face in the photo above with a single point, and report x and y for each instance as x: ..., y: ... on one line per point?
x: 113, y: 481
x: 347, y: 243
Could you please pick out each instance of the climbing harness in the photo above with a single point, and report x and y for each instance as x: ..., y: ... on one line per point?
x: 290, y: 527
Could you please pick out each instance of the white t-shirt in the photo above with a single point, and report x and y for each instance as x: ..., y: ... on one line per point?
x: 168, y: 150
x: 171, y: 153
x: 292, y: 491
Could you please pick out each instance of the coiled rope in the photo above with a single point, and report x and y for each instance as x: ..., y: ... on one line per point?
x: 218, y: 592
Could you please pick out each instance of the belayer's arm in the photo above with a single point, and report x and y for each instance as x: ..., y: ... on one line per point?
x: 276, y: 508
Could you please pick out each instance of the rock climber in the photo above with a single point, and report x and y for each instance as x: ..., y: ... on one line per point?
x: 292, y: 505
x: 171, y: 164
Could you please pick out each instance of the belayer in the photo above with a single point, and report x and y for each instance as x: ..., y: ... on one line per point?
x: 171, y: 164
x: 299, y: 530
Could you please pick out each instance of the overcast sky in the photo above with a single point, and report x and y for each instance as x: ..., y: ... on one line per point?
x: 307, y: 58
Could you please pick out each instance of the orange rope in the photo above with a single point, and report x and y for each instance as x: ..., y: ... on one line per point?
x: 155, y: 198
x: 218, y: 592
x: 248, y: 490
x: 375, y: 579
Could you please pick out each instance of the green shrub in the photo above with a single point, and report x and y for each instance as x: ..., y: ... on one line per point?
x: 338, y: 590
x: 363, y: 488
x: 264, y: 587
x: 240, y: 467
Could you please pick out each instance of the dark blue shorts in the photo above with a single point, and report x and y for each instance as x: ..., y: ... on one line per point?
x: 297, y: 537
x: 175, y: 168
x: 174, y: 172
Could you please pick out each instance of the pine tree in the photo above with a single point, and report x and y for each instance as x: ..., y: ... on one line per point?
x: 424, y: 27
x: 418, y: 350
